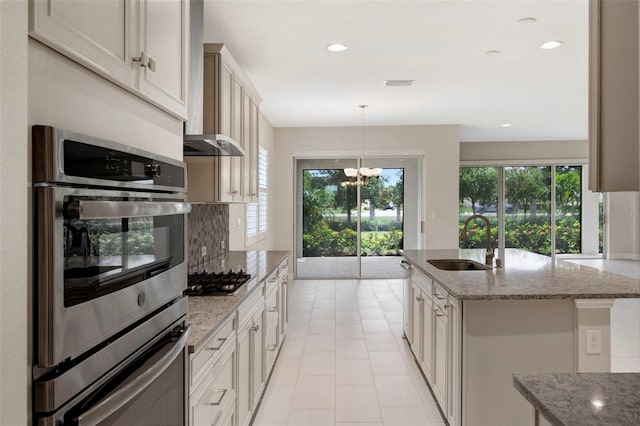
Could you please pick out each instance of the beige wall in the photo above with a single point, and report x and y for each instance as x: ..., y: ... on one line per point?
x: 237, y: 212
x: 523, y: 151
x: 437, y: 145
x: 14, y: 225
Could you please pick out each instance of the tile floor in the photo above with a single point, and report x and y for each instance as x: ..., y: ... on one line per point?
x: 344, y: 361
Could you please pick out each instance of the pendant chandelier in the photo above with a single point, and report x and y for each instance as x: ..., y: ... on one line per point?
x: 364, y: 173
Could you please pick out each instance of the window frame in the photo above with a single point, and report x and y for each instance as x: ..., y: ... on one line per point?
x: 500, y: 165
x: 261, y: 208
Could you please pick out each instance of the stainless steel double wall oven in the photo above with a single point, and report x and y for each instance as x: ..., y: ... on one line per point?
x: 110, y: 272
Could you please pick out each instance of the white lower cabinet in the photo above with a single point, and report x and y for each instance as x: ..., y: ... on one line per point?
x: 454, y: 400
x: 435, y: 341
x: 213, y: 380
x: 228, y: 375
x: 250, y: 353
x: 440, y: 361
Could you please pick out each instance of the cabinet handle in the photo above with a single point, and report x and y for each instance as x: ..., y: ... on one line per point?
x: 217, y: 348
x: 253, y: 194
x: 152, y: 64
x: 403, y: 263
x: 145, y: 61
x: 272, y: 309
x: 419, y: 299
x: 255, y: 327
x: 437, y: 312
x: 271, y: 348
x: 439, y: 296
x: 223, y: 393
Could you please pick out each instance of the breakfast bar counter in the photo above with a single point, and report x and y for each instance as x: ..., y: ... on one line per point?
x: 471, y: 330
x: 584, y: 399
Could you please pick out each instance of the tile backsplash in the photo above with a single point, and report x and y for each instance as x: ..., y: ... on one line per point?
x: 208, y: 227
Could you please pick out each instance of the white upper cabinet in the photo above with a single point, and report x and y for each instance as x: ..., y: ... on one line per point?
x: 164, y: 36
x: 613, y: 96
x: 140, y: 45
x: 230, y: 107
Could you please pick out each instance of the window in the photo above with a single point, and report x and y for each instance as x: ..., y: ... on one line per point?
x: 257, y: 220
x: 528, y: 209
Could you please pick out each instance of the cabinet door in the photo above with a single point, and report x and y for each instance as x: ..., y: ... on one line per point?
x: 163, y: 37
x: 454, y: 378
x: 427, y: 337
x: 613, y: 96
x: 237, y: 163
x: 254, y: 149
x: 407, y: 309
x: 283, y: 309
x: 440, y: 352
x: 416, y: 341
x: 97, y: 34
x: 246, y: 143
x: 245, y: 358
x: 257, y: 354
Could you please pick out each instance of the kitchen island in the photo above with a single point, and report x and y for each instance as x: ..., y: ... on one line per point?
x: 471, y: 330
x: 585, y: 399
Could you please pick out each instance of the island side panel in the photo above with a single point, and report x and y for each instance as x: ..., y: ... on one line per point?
x: 501, y: 337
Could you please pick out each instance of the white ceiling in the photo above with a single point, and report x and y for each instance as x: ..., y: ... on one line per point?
x: 281, y: 47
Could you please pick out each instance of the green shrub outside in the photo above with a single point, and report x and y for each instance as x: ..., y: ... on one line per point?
x: 532, y: 235
x: 336, y: 238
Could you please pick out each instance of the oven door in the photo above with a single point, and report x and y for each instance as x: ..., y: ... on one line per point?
x: 150, y: 390
x: 105, y: 260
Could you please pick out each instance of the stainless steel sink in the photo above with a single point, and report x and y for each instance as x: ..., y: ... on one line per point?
x: 458, y: 265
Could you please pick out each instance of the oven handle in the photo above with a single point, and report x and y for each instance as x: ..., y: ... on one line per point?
x: 126, y: 393
x: 121, y: 209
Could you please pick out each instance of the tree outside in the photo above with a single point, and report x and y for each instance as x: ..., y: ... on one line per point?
x: 528, y: 197
x: 330, y: 208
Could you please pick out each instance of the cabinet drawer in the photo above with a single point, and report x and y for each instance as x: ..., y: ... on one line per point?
x: 212, y: 399
x: 271, y: 308
x: 271, y: 348
x: 271, y: 282
x: 245, y: 311
x: 440, y: 298
x: 421, y: 280
x: 211, y: 352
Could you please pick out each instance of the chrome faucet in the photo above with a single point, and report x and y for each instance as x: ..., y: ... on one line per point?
x: 488, y: 260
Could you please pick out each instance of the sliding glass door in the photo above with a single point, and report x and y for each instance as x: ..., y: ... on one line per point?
x: 351, y: 217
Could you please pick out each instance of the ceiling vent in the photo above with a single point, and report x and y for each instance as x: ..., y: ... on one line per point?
x: 394, y: 83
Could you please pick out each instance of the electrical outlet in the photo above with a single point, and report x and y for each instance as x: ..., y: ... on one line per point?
x: 203, y: 251
x: 594, y: 342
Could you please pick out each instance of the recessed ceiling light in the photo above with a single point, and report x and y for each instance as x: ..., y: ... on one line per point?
x: 337, y: 47
x: 505, y: 125
x: 492, y: 52
x: 551, y: 44
x: 528, y: 20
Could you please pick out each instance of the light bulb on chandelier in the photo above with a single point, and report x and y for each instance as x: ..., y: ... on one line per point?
x: 365, y: 173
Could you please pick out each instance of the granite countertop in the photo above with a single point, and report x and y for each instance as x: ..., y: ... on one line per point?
x: 524, y: 275
x: 583, y: 399
x: 208, y: 313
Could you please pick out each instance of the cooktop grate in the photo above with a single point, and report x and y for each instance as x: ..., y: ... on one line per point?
x: 212, y: 283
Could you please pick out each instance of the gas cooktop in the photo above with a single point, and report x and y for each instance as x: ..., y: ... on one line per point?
x: 212, y: 283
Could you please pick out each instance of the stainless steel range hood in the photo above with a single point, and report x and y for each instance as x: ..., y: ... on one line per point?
x: 196, y: 143
x: 211, y: 145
